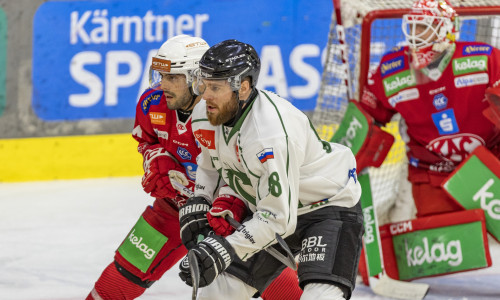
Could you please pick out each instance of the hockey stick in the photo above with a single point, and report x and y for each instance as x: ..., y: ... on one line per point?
x: 195, y: 273
x: 287, y: 260
x: 384, y: 285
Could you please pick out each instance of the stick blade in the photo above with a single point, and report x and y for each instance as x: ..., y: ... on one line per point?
x: 195, y: 273
x: 388, y: 287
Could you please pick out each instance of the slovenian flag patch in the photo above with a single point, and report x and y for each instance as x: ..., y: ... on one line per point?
x: 265, y: 154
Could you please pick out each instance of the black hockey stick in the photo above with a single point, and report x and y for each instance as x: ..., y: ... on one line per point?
x: 287, y: 260
x: 195, y: 273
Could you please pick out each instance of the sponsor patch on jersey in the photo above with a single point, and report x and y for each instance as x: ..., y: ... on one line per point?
x: 455, y: 147
x: 471, y: 80
x: 161, y: 134
x: 438, y: 90
x: 395, y: 49
x: 151, y: 99
x: 391, y: 66
x: 440, y: 101
x: 476, y: 49
x: 158, y: 118
x: 205, y: 137
x: 445, y: 122
x: 473, y: 64
x: 190, y: 169
x: 184, y: 153
x: 414, y: 161
x: 405, y: 95
x: 398, y: 82
x: 265, y: 154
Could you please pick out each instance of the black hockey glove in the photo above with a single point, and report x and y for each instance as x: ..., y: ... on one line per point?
x: 193, y: 221
x: 214, y: 254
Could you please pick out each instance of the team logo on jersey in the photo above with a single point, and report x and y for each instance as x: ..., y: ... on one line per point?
x: 157, y: 118
x: 470, y: 80
x: 476, y: 49
x: 184, y: 153
x: 440, y: 101
x: 456, y: 147
x: 265, y: 154
x: 405, y: 95
x: 151, y: 99
x: 206, y: 138
x: 445, y: 122
x: 397, y: 82
x: 391, y: 66
x: 190, y: 169
x: 472, y: 64
x: 181, y: 127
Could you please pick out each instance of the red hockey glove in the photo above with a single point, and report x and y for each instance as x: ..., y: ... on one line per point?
x: 157, y: 163
x: 222, y: 206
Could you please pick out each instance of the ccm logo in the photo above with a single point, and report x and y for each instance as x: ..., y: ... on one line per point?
x: 401, y: 227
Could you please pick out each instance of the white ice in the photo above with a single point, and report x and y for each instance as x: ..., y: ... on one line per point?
x: 56, y: 238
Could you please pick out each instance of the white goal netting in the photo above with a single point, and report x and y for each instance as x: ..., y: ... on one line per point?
x: 369, y: 28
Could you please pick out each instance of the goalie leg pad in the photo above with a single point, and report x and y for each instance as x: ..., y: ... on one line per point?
x: 436, y: 245
x: 153, y: 245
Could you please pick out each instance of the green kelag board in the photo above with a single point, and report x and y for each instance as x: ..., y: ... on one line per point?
x: 3, y: 59
x: 475, y: 185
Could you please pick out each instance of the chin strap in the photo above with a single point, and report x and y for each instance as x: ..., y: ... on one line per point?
x: 242, y: 105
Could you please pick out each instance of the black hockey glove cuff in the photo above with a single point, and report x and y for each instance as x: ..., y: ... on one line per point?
x: 193, y: 221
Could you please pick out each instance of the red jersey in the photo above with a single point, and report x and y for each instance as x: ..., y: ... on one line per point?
x: 155, y: 123
x: 443, y: 116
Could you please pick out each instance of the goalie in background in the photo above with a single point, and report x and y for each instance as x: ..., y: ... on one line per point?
x: 163, y: 130
x: 446, y: 92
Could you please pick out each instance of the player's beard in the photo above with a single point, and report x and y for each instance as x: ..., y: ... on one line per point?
x: 179, y: 102
x: 225, y: 112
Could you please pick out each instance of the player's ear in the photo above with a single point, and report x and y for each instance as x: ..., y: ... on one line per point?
x: 245, y: 87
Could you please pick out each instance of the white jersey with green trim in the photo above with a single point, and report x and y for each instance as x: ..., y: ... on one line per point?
x: 273, y: 159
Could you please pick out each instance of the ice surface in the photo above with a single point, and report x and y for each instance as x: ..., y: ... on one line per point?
x: 56, y: 237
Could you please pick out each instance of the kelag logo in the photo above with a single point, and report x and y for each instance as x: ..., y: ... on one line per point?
x: 91, y: 58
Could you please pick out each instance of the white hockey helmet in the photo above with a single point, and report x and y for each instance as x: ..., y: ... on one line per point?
x: 438, y: 18
x: 178, y: 55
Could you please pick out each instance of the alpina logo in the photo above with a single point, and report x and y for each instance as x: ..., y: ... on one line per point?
x: 148, y: 252
x: 157, y: 118
x: 438, y: 252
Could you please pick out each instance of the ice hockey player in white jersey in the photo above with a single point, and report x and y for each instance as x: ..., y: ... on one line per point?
x: 295, y: 184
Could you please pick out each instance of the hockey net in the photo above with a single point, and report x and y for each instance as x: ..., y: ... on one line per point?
x: 361, y: 31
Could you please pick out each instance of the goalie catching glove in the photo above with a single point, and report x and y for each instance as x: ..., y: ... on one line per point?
x: 222, y: 206
x: 193, y: 221
x: 158, y: 165
x: 214, y: 254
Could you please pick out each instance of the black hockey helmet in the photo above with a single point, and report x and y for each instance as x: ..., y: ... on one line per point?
x: 231, y: 60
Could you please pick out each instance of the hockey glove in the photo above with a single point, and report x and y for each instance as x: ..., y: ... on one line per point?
x: 214, y: 254
x: 222, y: 206
x: 193, y: 221
x: 157, y: 163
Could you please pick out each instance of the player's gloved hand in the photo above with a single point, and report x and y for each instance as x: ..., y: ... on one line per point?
x: 214, y: 254
x: 193, y: 221
x: 222, y: 206
x: 157, y: 163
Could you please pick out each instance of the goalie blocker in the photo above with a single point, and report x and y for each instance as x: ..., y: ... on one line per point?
x: 368, y: 142
x: 431, y: 246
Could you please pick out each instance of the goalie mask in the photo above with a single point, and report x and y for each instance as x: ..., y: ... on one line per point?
x: 178, y: 55
x: 430, y: 28
x: 229, y: 60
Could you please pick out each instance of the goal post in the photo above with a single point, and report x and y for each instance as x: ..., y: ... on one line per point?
x: 361, y: 31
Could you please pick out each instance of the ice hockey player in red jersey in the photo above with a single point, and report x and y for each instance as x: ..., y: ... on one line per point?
x: 163, y: 130
x: 442, y: 88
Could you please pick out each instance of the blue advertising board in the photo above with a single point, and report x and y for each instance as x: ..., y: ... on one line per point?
x: 91, y: 58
